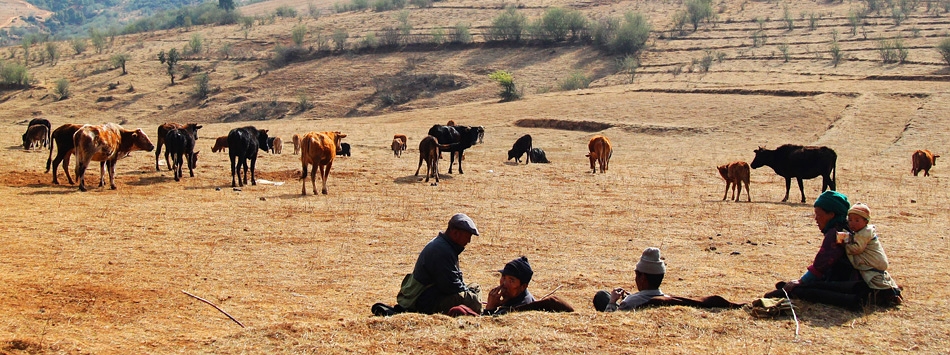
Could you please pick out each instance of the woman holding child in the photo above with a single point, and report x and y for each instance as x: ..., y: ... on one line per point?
x: 833, y: 277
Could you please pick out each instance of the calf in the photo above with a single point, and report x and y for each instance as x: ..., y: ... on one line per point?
x: 923, y: 160
x: 735, y: 173
x: 537, y: 155
x: 36, y: 136
x: 397, y: 147
x: 600, y: 152
x: 180, y: 143
x: 296, y: 140
x: 106, y: 144
x: 276, y: 145
x: 402, y: 144
x: 521, y: 146
x: 162, y: 131
x: 221, y: 143
x: 799, y: 162
x: 429, y: 152
x: 243, y: 144
x: 43, y: 122
x: 344, y: 150
x: 318, y: 150
x: 63, y: 138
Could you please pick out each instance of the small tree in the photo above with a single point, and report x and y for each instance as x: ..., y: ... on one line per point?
x: 783, y: 47
x: 339, y: 39
x: 98, y: 39
x: 699, y: 11
x: 298, y: 34
x: 52, y: 53
x: 836, y: 54
x: 854, y: 19
x: 62, y: 89
x: 944, y: 48
x: 227, y: 5
x: 119, y: 60
x: 202, y: 86
x: 170, y: 61
x: 78, y: 45
x: 461, y: 33
x: 554, y: 23
x: 507, y: 82
x: 507, y: 27
x: 195, y: 44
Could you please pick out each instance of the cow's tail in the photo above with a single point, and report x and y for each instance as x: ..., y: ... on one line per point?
x: 50, y: 158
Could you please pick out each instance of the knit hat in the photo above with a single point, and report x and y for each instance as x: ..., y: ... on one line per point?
x: 519, y: 268
x: 861, y: 209
x: 463, y: 222
x: 650, y: 262
x: 834, y: 202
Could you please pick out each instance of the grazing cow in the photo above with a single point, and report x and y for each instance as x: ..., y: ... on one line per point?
x: 457, y: 139
x: 63, y: 138
x: 923, y: 160
x: 429, y: 152
x: 735, y: 173
x: 44, y: 122
x: 537, y: 155
x: 600, y: 152
x: 481, y: 134
x: 181, y: 143
x: 221, y: 143
x: 296, y: 140
x: 450, y: 123
x: 799, y: 162
x: 344, y: 150
x: 243, y: 144
x: 397, y: 147
x: 521, y: 146
x: 106, y: 144
x: 162, y: 131
x: 276, y: 145
x: 318, y: 149
x: 36, y: 136
x: 403, y: 140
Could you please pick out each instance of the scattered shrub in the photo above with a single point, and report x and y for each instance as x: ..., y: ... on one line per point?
x: 285, y: 11
x: 509, y: 92
x: 298, y: 33
x: 699, y: 11
x: 422, y: 4
x: 783, y: 48
x: 787, y: 17
x: 78, y: 45
x: 628, y: 64
x: 62, y: 89
x: 170, y: 61
x: 118, y: 61
x: 554, y: 24
x: 202, y: 87
x: 706, y: 62
x: 195, y: 44
x: 629, y: 37
x: 52, y: 53
x: 370, y: 41
x: 461, y: 34
x: 438, y: 36
x: 339, y: 39
x: 576, y: 80
x: 886, y: 50
x: 14, y: 74
x: 944, y: 48
x: 303, y: 102
x: 286, y: 55
x: 507, y: 27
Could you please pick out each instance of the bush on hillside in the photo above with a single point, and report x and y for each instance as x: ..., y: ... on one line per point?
x: 14, y: 74
x: 62, y: 89
x: 944, y: 48
x: 508, y: 90
x: 507, y: 27
x: 575, y: 81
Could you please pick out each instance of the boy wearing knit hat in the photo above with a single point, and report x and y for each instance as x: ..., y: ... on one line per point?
x: 648, y: 275
x: 866, y: 253
x: 512, y: 290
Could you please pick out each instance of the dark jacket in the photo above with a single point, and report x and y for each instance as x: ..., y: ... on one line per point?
x: 438, y: 265
x: 523, y: 299
x: 831, y: 262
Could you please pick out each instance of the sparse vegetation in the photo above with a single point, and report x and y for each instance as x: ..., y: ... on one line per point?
x: 944, y: 49
x: 836, y: 54
x: 706, y: 61
x: 783, y: 48
x: 508, y: 90
x: 507, y: 27
x: 699, y: 11
x: 52, y: 53
x: 461, y: 33
x: 623, y: 37
x: 576, y: 80
x: 118, y: 61
x: 285, y: 11
x: 62, y: 89
x: 886, y: 51
x: 298, y: 34
x: 195, y: 44
x: 169, y: 61
x: 787, y: 17
x: 339, y: 39
x: 286, y: 55
x: 202, y: 86
x: 758, y: 38
x: 854, y: 20
x: 78, y: 45
x: 303, y: 102
x: 14, y: 74
x: 629, y: 65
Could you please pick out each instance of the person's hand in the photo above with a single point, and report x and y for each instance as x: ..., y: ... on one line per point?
x: 494, y: 298
x: 617, y: 294
x: 789, y: 286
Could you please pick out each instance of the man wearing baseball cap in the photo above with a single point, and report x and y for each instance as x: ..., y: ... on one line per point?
x: 436, y: 284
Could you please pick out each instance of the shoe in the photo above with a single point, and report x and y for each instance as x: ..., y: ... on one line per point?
x: 382, y: 310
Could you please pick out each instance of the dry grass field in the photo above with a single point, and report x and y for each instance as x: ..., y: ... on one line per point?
x: 102, y: 272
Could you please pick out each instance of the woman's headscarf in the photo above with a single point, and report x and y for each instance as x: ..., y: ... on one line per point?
x: 834, y: 202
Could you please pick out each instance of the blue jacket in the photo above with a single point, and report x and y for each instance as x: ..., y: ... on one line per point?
x: 438, y: 265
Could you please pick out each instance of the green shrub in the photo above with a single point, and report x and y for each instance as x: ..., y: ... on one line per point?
x: 339, y: 39
x: 898, y: 16
x: 787, y: 17
x: 632, y: 35
x: 298, y: 33
x: 706, y: 62
x: 422, y: 4
x: 286, y: 55
x: 303, y: 102
x: 170, y: 61
x: 285, y: 11
x: 461, y: 33
x: 836, y: 54
x: 202, y: 87
x: 438, y: 36
x: 944, y: 49
x: 370, y: 41
x: 628, y: 64
x: 62, y: 89
x: 899, y: 50
x: 854, y: 20
x: 576, y: 80
x: 195, y: 44
x: 507, y: 27
x: 554, y: 24
x: 391, y: 36
x: 118, y: 60
x: 699, y: 11
x: 52, y: 53
x: 783, y: 48
x: 577, y: 23
x: 885, y: 49
x: 313, y: 10
x: 14, y: 74
x: 509, y: 92
x: 78, y: 45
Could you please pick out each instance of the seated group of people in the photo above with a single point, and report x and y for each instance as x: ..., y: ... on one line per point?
x: 849, y: 270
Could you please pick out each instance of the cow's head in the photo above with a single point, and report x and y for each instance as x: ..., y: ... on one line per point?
x: 193, y: 128
x: 723, y: 171
x: 26, y: 142
x: 337, y: 138
x: 762, y: 157
x: 140, y: 140
x: 194, y: 159
x: 262, y: 140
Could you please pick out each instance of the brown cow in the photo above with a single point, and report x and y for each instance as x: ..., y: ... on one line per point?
x: 106, y: 144
x: 600, y: 151
x: 276, y: 145
x: 735, y: 174
x: 429, y: 150
x: 923, y: 160
x: 35, y: 136
x: 399, y: 144
x: 318, y: 149
x: 162, y: 131
x: 450, y: 123
x: 220, y: 143
x: 296, y: 140
x: 63, y: 138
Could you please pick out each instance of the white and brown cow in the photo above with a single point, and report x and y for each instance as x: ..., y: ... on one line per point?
x: 106, y: 144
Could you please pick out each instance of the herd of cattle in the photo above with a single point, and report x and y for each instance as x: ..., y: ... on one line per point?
x: 109, y: 142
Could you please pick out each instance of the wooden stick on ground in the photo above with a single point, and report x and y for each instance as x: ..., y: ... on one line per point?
x: 215, y: 307
x: 552, y: 292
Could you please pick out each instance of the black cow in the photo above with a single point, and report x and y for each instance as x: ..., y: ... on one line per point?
x: 459, y: 139
x: 49, y: 130
x: 795, y: 161
x: 181, y: 143
x: 162, y: 131
x: 63, y: 138
x: 344, y: 150
x: 243, y: 144
x: 537, y: 155
x: 521, y: 146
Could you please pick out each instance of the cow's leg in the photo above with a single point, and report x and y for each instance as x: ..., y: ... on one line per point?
x: 460, y: 162
x: 324, y: 174
x: 111, y: 166
x: 303, y: 177
x: 253, y: 178
x: 191, y: 164
x: 420, y: 165
x: 452, y: 161
x: 102, y: 173
x: 926, y: 172
x: 726, y: 193
x: 801, y: 188
x: 158, y: 153
x: 435, y: 169
x: 81, y: 175
x: 56, y: 162
x: 66, y: 168
x: 788, y: 185
x: 313, y: 179
x: 233, y: 183
x: 176, y: 165
x: 737, y: 186
x: 748, y: 195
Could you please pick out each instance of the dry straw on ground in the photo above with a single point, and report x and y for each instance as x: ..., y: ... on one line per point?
x: 102, y: 271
